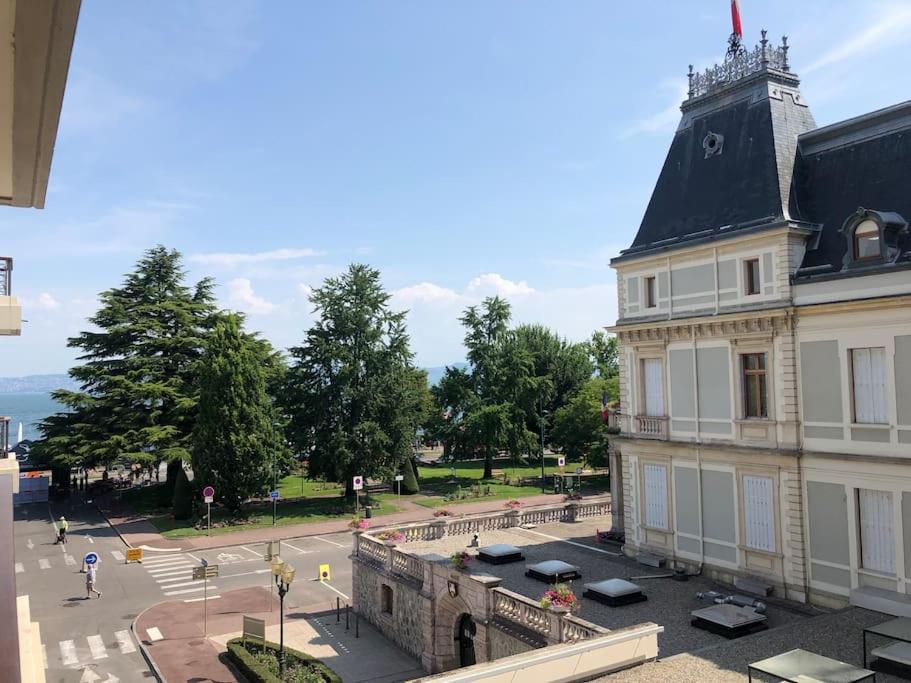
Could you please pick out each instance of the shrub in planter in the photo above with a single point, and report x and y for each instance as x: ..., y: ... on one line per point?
x: 259, y: 664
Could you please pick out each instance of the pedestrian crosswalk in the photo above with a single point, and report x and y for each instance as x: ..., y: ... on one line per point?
x: 174, y: 575
x: 79, y: 652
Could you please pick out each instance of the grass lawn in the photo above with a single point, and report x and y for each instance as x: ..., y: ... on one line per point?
x: 293, y: 487
x: 438, y: 481
x: 301, y: 511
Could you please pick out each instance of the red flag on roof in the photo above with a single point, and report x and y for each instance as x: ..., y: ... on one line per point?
x: 735, y: 17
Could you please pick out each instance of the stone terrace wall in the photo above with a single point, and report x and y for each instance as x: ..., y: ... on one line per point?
x: 407, y: 625
x: 504, y: 643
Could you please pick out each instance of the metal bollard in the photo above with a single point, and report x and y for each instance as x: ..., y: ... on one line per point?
x: 338, y: 610
x: 346, y: 616
x: 357, y: 625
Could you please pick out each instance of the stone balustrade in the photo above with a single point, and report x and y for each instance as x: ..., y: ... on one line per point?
x: 574, y: 629
x: 406, y: 564
x: 521, y: 610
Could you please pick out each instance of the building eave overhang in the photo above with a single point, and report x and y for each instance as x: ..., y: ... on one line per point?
x: 723, y: 233
x: 854, y: 130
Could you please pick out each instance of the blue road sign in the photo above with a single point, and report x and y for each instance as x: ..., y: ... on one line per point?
x: 91, y: 558
x: 274, y: 495
x: 204, y: 562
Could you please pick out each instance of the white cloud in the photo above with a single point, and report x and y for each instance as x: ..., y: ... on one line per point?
x: 43, y: 302
x: 425, y: 292
x: 494, y: 283
x: 889, y: 28
x: 231, y: 260
x: 665, y: 120
x: 305, y: 290
x: 242, y: 297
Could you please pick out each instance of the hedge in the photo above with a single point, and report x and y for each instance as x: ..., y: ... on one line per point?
x: 244, y: 659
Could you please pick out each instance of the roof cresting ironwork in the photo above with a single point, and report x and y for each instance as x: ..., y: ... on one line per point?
x: 738, y: 63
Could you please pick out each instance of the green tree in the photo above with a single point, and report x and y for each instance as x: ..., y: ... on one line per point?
x: 410, y: 482
x: 502, y: 384
x: 579, y: 427
x: 236, y: 443
x: 353, y: 399
x: 604, y: 350
x: 138, y: 385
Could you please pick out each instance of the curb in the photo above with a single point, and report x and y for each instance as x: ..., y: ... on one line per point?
x: 142, y: 648
x: 116, y: 530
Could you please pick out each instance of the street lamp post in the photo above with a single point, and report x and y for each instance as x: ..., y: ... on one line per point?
x: 543, y: 413
x: 284, y: 576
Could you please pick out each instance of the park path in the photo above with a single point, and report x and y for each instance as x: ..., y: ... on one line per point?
x: 137, y: 531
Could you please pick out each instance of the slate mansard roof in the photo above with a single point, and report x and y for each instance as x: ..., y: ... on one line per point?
x: 747, y: 156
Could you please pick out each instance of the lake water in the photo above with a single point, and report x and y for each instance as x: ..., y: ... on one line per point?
x: 29, y: 409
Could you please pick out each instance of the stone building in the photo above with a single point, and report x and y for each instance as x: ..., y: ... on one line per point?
x: 765, y: 354
x: 448, y: 618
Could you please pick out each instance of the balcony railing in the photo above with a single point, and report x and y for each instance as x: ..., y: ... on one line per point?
x: 4, y: 436
x: 6, y: 280
x: 651, y: 427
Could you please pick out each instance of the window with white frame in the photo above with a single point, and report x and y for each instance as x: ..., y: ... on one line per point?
x: 653, y: 387
x: 759, y: 513
x: 651, y: 293
x: 868, y: 378
x: 877, y: 536
x: 655, y: 480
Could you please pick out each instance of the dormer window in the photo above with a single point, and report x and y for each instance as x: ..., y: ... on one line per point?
x: 867, y: 243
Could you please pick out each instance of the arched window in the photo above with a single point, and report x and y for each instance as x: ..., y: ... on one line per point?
x: 867, y: 243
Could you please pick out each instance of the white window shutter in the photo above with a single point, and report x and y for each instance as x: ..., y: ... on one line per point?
x: 759, y: 513
x: 654, y: 387
x: 655, y: 477
x: 877, y: 538
x: 878, y: 385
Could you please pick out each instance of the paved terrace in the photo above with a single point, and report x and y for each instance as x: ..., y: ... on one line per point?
x: 686, y: 653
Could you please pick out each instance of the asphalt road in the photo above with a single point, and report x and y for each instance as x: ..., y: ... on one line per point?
x: 90, y: 640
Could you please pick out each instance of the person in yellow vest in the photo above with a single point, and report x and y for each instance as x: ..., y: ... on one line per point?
x: 62, y: 526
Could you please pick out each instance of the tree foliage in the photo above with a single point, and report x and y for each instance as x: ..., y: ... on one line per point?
x: 579, y: 427
x: 138, y: 390
x: 182, y: 505
x: 352, y: 397
x: 237, y: 447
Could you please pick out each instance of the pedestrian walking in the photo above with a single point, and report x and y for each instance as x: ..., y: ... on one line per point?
x: 62, y: 526
x: 90, y: 577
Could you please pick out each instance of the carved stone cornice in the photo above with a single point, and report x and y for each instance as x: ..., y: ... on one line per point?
x: 759, y: 324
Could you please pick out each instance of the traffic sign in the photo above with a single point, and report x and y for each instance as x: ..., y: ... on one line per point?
x: 578, y: 470
x: 358, y: 483
x: 91, y: 558
x: 561, y: 461
x: 324, y: 574
x: 273, y: 495
x: 208, y: 492
x: 208, y: 500
x: 134, y: 555
x: 205, y: 572
x: 399, y: 477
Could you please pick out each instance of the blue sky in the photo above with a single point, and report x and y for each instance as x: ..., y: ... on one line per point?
x: 463, y: 148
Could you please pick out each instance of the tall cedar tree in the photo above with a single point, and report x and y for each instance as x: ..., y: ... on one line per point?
x: 352, y: 398
x: 502, y: 383
x: 236, y: 446
x: 138, y: 390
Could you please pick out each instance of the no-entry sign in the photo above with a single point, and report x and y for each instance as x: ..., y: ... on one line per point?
x: 208, y: 494
x: 358, y: 483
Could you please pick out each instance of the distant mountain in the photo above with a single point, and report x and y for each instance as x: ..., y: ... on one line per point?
x: 434, y: 375
x: 31, y: 384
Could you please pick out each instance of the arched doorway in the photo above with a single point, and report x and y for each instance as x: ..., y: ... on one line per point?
x: 465, y: 636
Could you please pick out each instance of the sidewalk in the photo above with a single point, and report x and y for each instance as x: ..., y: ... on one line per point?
x: 183, y: 653
x: 137, y: 531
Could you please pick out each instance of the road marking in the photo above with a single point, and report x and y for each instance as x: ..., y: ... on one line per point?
x: 182, y: 566
x: 211, y: 597
x: 256, y: 571
x: 118, y: 555
x: 331, y: 587
x: 194, y: 557
x: 29, y: 544
x: 68, y: 653
x: 44, y: 563
x: 91, y: 540
x: 337, y: 545
x: 154, y: 634
x: 70, y: 560
x: 252, y: 552
x: 124, y: 642
x: 190, y: 590
x: 181, y: 585
x: 167, y: 565
x: 44, y: 655
x: 294, y: 547
x: 171, y: 579
x: 186, y: 571
x: 160, y: 550
x: 578, y: 545
x: 157, y: 561
x: 96, y: 645
x: 19, y: 568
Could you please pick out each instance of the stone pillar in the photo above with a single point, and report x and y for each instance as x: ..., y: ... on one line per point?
x: 439, y: 528
x: 390, y: 549
x: 355, y: 537
x: 555, y: 635
x: 616, y: 489
x: 572, y: 510
x: 513, y: 517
